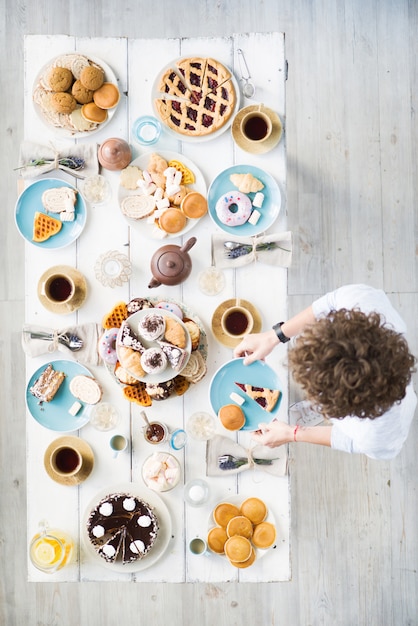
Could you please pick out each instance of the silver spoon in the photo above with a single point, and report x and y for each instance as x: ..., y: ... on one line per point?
x: 72, y: 342
x: 248, y: 87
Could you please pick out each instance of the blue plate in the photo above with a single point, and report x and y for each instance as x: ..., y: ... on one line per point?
x: 258, y: 374
x: 30, y: 201
x: 54, y: 415
x: 269, y: 210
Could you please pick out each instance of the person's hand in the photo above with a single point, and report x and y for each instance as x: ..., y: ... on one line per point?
x: 274, y: 434
x: 256, y: 346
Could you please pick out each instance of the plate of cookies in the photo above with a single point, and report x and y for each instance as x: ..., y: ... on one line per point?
x: 123, y: 349
x: 60, y: 394
x: 244, y: 200
x: 50, y: 213
x: 241, y: 529
x: 75, y: 95
x: 162, y: 194
x: 195, y: 98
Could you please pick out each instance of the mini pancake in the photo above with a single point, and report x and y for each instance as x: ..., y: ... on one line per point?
x: 264, y: 535
x: 232, y: 416
x: 194, y: 205
x: 238, y: 549
x: 216, y: 539
x: 92, y: 113
x: 172, y: 220
x: 107, y: 96
x: 254, y: 509
x: 224, y: 512
x: 246, y: 563
x: 239, y: 525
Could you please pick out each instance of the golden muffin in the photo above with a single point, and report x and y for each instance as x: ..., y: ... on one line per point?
x: 63, y: 102
x: 107, y: 96
x: 239, y: 525
x: 216, y: 539
x: 232, y: 416
x: 224, y: 512
x: 81, y: 94
x: 194, y: 205
x: 60, y: 79
x: 246, y: 563
x: 92, y: 77
x: 264, y: 535
x: 238, y: 549
x: 254, y: 509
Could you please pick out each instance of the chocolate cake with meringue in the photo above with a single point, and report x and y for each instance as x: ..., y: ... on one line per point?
x: 122, y: 528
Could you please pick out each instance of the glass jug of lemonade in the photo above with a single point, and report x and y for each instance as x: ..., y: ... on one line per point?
x: 50, y: 549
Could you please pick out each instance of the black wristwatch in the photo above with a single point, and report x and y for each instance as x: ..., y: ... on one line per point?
x: 280, y: 334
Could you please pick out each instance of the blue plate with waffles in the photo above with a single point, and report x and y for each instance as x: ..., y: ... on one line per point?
x: 30, y: 202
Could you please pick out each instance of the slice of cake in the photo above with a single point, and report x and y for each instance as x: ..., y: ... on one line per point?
x: 177, y: 357
x: 122, y: 528
x: 129, y: 339
x: 266, y: 398
x: 47, y: 385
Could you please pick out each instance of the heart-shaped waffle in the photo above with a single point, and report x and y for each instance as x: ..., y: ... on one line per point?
x: 116, y: 316
x: 138, y: 394
x: 181, y: 385
x: 45, y: 226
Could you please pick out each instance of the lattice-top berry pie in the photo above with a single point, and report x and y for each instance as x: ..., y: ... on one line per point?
x: 266, y: 398
x: 196, y: 97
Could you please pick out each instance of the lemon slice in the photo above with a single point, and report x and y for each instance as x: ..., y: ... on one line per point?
x: 47, y: 553
x: 188, y: 177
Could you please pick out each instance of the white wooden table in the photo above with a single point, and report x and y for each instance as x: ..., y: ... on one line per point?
x: 135, y: 63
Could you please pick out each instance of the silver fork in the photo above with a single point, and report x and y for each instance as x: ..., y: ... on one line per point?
x: 72, y: 342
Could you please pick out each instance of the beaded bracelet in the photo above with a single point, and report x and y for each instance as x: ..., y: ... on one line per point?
x: 295, y: 431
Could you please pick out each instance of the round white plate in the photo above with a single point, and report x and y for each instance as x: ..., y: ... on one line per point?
x: 269, y: 210
x: 68, y: 132
x: 238, y: 500
x: 156, y: 94
x: 164, y: 522
x: 152, y: 231
x: 133, y: 320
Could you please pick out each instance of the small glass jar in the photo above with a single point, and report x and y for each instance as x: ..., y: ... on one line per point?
x: 201, y: 426
x: 196, y: 492
x: 50, y: 549
x: 96, y: 189
x: 156, y: 433
x: 146, y: 130
x: 178, y: 439
x: 104, y: 416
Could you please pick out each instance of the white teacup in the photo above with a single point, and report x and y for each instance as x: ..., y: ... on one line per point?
x: 237, y: 321
x: 118, y: 443
x: 256, y: 126
x: 59, y: 288
x: 198, y: 546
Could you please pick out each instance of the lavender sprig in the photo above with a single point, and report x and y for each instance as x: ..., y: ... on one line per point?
x: 241, y: 249
x: 229, y: 462
x: 72, y: 162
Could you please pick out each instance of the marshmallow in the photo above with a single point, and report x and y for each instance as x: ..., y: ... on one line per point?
x: 258, y: 200
x: 254, y: 217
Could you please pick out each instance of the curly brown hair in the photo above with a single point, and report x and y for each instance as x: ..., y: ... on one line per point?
x: 352, y: 363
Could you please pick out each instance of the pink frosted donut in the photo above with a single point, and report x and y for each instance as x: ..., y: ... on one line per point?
x: 170, y: 306
x: 233, y: 208
x: 107, y: 346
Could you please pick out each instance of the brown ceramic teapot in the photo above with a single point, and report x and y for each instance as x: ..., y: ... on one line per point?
x: 114, y: 154
x: 171, y: 265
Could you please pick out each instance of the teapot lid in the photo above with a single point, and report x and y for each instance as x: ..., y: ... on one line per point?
x: 170, y: 264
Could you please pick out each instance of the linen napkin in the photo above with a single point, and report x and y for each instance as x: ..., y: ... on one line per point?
x: 274, y: 249
x: 89, y: 333
x: 247, y: 459
x: 31, y: 151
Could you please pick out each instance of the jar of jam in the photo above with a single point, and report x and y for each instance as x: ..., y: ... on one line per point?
x: 156, y: 433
